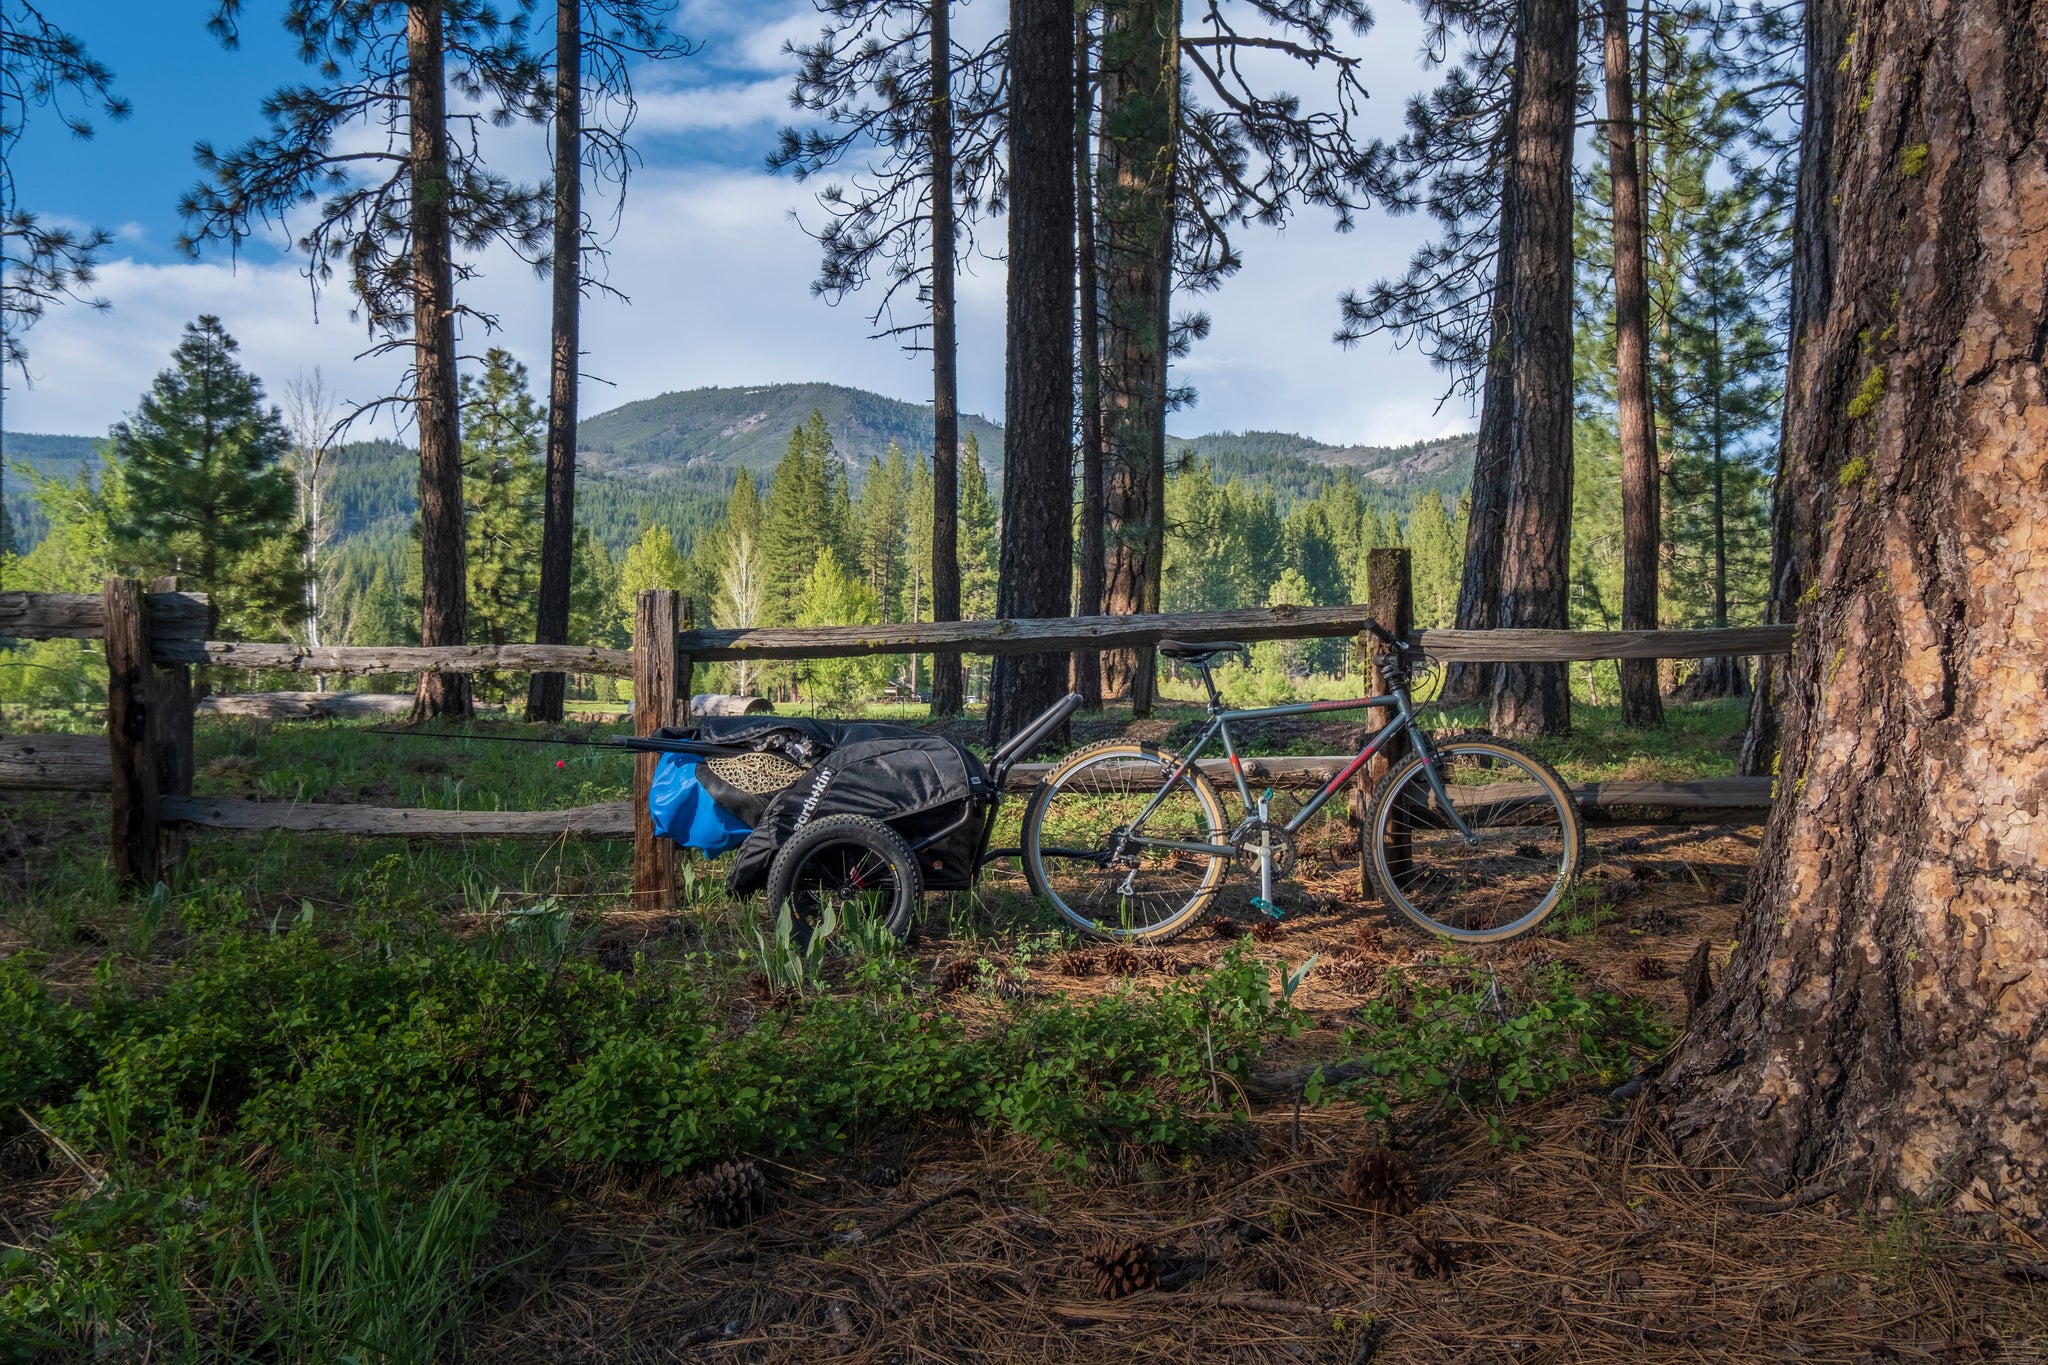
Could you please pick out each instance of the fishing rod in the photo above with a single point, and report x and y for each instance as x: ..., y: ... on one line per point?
x: 659, y: 744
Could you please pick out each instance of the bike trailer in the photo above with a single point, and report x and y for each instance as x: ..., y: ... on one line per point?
x: 751, y: 782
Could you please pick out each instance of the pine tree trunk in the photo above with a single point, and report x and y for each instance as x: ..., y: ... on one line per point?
x: 1088, y: 663
x: 1801, y: 501
x: 444, y: 606
x: 948, y: 685
x: 1879, y: 1023
x: 1642, y: 706
x: 1036, y: 572
x: 1137, y: 71
x: 545, y: 691
x: 1486, y: 525
x: 1535, y: 699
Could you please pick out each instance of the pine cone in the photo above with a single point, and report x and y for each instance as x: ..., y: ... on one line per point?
x: 1353, y: 969
x: 1159, y: 960
x: 1649, y: 968
x: 1077, y: 963
x: 1224, y: 927
x: 730, y: 1194
x: 886, y: 1175
x: 1646, y: 872
x: 958, y: 974
x: 1383, y: 1181
x: 1267, y: 930
x: 1116, y: 1269
x: 1368, y: 938
x: 1121, y: 960
x: 1427, y: 1255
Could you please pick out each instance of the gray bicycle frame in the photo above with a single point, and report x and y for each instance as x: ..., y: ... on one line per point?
x: 1219, y: 724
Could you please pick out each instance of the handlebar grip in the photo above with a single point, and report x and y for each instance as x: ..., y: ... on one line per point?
x: 1383, y: 635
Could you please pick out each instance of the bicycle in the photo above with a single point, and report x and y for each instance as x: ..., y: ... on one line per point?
x: 1472, y: 839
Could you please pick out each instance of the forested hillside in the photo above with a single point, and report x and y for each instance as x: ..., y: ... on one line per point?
x: 720, y: 430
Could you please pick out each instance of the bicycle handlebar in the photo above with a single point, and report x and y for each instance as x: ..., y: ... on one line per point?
x: 1385, y: 636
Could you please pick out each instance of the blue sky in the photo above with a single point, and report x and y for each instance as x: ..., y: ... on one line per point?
x: 711, y: 249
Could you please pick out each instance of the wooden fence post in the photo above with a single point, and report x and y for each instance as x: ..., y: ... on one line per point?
x: 661, y: 697
x: 170, y: 724
x: 1389, y: 596
x: 137, y: 809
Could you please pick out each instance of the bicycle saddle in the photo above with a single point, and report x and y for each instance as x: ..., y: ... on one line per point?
x: 1197, y: 653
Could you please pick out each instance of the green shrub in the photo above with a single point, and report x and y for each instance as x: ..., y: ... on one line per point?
x: 1474, y: 1047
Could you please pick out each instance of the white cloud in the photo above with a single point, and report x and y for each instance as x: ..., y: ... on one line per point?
x: 735, y: 104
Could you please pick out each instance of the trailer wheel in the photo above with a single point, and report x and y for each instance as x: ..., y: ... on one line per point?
x: 851, y: 862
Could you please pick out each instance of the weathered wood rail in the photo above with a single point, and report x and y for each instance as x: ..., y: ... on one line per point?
x: 145, y: 761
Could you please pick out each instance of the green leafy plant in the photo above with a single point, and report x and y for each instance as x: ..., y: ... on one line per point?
x: 788, y: 964
x: 1466, y: 1047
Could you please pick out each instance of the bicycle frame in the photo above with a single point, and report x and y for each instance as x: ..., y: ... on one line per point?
x: 1219, y: 725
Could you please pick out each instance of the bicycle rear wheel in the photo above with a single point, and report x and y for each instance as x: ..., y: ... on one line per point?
x: 1078, y: 858
x: 1525, y: 852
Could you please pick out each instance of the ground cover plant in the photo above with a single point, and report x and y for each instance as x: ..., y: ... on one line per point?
x: 332, y: 1099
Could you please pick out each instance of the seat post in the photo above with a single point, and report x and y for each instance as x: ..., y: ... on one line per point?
x: 1209, y: 681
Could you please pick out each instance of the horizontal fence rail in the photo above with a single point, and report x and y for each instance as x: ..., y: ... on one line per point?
x: 1058, y: 635
x: 369, y: 659
x: 606, y: 820
x: 183, y: 616
x: 614, y: 819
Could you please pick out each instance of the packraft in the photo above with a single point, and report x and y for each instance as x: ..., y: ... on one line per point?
x: 751, y: 782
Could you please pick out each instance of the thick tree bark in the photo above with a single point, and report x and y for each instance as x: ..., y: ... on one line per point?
x: 1535, y: 699
x: 444, y: 561
x: 1801, y: 501
x: 1880, y: 1022
x: 544, y: 693
x: 1642, y: 705
x: 1036, y: 574
x: 1471, y: 684
x: 1088, y: 599
x: 949, y: 693
x: 1139, y: 67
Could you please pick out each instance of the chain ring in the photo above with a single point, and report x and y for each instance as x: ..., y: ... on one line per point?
x: 1246, y: 840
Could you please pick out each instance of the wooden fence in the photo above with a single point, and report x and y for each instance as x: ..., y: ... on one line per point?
x: 154, y: 637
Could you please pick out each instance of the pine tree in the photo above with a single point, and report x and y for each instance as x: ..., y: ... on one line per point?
x: 1438, y: 557
x: 890, y: 79
x: 598, y: 44
x: 1533, y: 699
x: 978, y: 555
x: 207, y: 495
x: 881, y: 525
x: 1036, y: 576
x: 802, y: 519
x: 390, y: 218
x: 1726, y: 396
x: 1860, y: 1038
x: 501, y: 497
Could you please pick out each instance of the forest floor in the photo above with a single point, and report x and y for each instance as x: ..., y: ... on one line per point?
x: 1553, y: 1229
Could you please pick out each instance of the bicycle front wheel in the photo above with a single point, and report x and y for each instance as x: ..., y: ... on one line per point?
x: 1088, y: 852
x: 1523, y: 853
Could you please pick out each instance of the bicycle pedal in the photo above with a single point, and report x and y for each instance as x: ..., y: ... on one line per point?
x: 1266, y: 907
